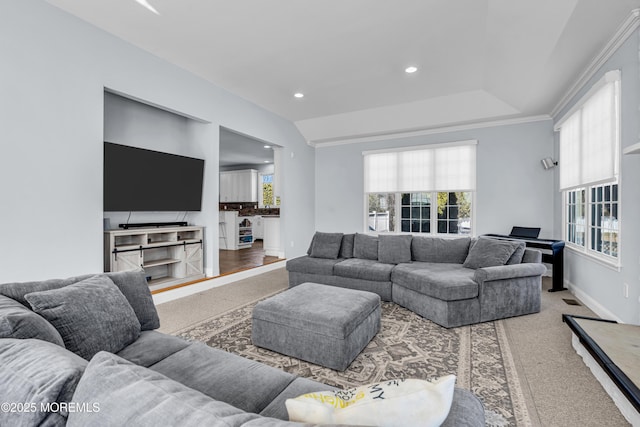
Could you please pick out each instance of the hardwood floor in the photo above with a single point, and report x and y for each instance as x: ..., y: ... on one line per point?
x: 244, y: 259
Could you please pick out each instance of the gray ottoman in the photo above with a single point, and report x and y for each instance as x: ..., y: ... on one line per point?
x: 321, y: 324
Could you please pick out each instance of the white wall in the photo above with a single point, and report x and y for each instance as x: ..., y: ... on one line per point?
x: 512, y: 187
x: 54, y: 72
x: 598, y: 285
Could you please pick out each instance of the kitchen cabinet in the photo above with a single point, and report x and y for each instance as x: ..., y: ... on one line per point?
x: 271, y: 242
x: 239, y: 186
x: 258, y: 227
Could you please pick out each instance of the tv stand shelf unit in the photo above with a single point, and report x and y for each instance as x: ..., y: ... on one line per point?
x: 169, y: 255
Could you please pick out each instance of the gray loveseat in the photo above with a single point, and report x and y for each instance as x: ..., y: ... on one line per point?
x: 83, y: 351
x: 452, y: 282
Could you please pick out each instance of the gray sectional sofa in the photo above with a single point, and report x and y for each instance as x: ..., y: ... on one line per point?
x: 453, y: 282
x: 83, y: 351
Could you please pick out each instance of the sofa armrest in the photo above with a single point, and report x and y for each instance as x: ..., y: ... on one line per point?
x: 514, y: 271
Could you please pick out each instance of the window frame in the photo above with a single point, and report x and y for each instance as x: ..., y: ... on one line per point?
x: 433, y: 219
x: 607, y: 260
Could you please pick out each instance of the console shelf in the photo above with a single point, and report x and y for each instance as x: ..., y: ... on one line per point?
x: 168, y: 255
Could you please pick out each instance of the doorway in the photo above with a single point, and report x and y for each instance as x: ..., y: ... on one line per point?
x: 249, y: 202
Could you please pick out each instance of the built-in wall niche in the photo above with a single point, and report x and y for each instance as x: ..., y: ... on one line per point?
x: 131, y: 123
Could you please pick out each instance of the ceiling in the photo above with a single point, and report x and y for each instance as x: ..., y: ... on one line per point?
x: 478, y: 60
x: 237, y: 149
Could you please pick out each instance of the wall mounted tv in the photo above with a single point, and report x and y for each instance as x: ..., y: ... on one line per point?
x: 136, y: 179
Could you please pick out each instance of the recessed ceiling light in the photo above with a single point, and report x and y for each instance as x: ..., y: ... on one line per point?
x: 411, y: 69
x: 299, y: 95
x: 145, y: 3
x: 267, y: 146
x: 267, y: 161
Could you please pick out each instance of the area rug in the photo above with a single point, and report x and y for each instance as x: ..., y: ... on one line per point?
x: 407, y: 346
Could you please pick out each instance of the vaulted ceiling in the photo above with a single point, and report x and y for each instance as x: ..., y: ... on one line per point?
x: 477, y: 60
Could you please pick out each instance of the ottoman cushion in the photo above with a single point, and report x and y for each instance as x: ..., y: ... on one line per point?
x: 321, y: 324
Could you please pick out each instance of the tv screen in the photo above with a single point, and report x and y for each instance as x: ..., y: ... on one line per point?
x: 136, y: 179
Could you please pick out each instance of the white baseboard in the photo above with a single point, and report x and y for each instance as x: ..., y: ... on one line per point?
x: 594, y: 305
x: 178, y: 293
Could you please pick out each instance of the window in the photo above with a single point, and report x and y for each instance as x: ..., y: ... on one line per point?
x: 266, y: 190
x: 589, y: 169
x: 421, y: 189
x: 576, y: 217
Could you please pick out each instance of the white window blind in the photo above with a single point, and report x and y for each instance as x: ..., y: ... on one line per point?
x: 447, y: 167
x: 589, y: 137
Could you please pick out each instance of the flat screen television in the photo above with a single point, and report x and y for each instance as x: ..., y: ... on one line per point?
x: 136, y: 179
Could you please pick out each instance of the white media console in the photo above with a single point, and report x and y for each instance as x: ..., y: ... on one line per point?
x: 169, y: 255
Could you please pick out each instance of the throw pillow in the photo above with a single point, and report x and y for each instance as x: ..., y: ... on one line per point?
x: 114, y: 384
x: 394, y: 249
x: 91, y: 315
x: 134, y: 286
x: 399, y: 403
x: 518, y: 254
x: 326, y: 245
x: 489, y: 252
x: 35, y: 372
x: 365, y: 246
x: 346, y: 249
x: 17, y: 321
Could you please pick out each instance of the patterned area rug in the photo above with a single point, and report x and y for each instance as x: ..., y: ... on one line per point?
x: 407, y: 346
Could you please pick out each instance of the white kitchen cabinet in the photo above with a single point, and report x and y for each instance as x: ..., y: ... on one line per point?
x: 235, y: 231
x: 258, y: 227
x: 271, y: 242
x: 239, y: 186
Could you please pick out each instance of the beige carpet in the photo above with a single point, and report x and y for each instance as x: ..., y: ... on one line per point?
x: 556, y: 386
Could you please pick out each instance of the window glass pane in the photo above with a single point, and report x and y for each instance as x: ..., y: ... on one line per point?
x: 456, y: 208
x: 604, y: 227
x: 415, y: 214
x: 381, y: 212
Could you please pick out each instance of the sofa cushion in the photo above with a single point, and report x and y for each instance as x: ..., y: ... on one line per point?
x: 448, y: 282
x: 365, y: 269
x: 224, y: 376
x: 132, y: 284
x: 487, y: 252
x: 91, y: 315
x: 365, y: 246
x: 394, y: 249
x: 346, y: 248
x: 17, y: 321
x: 326, y: 245
x: 299, y: 386
x: 437, y: 249
x: 114, y: 383
x: 152, y: 347
x: 37, y: 372
x: 17, y: 290
x: 309, y: 265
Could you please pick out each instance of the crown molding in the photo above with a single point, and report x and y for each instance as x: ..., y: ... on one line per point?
x: 624, y: 32
x: 331, y: 142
